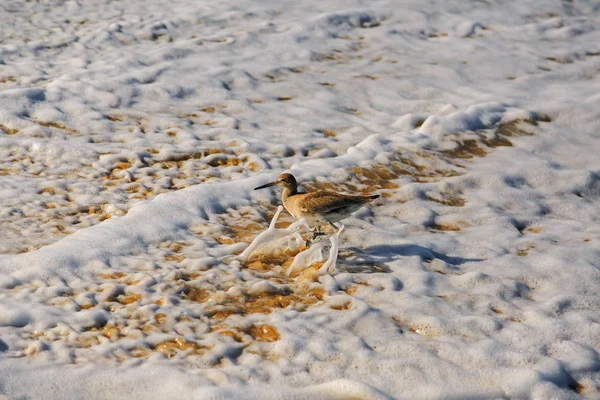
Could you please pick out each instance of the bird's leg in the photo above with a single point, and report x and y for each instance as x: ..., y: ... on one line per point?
x: 335, y: 228
x: 316, y: 234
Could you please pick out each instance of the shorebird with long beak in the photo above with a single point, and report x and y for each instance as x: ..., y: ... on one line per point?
x: 318, y: 208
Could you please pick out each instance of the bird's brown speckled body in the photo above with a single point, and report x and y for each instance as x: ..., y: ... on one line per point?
x: 318, y: 208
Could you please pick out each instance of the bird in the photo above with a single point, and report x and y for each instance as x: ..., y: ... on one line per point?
x: 319, y: 208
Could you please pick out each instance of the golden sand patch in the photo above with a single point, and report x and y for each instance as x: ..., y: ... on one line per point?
x: 264, y: 333
x: 533, y: 230
x: 57, y: 125
x: 140, y: 352
x: 339, y: 307
x: 245, y: 231
x: 174, y: 257
x: 328, y: 132
x: 232, y: 334
x: 267, y: 261
x: 451, y: 200
x: 466, y: 149
x: 196, y: 295
x: 110, y: 331
x: 309, y: 274
x: 470, y: 148
x: 224, y: 161
x: 351, y: 289
x: 9, y: 131
x: 171, y: 347
x: 128, y: 299
x: 263, y: 303
x: 160, y: 318
x: 112, y: 275
x: 444, y: 227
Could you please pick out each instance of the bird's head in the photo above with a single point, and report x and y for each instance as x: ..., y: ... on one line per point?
x: 285, y: 180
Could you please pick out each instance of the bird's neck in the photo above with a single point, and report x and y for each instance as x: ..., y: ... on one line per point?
x: 289, y: 191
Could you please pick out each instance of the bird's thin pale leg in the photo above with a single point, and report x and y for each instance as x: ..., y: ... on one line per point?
x: 335, y: 228
x: 316, y: 234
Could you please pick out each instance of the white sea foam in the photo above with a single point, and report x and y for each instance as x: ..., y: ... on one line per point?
x: 132, y: 136
x: 274, y: 240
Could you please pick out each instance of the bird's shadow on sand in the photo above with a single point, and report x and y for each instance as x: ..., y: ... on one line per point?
x: 373, y: 258
x: 408, y: 250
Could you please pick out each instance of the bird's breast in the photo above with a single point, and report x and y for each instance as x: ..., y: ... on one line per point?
x: 293, y: 206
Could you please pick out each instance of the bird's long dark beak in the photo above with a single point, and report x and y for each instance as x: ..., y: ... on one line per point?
x: 266, y: 186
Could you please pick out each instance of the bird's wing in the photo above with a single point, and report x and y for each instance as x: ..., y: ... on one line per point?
x: 325, y: 201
